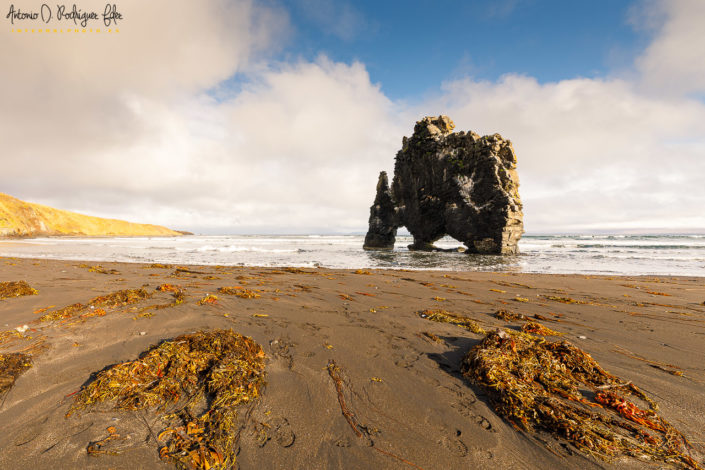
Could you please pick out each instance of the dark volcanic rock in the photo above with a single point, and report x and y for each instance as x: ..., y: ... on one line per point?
x: 445, y: 183
x: 383, y: 227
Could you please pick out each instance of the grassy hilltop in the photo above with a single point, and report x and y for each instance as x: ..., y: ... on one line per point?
x: 26, y: 219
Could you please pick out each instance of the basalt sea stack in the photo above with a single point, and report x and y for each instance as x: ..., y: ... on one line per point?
x: 450, y: 183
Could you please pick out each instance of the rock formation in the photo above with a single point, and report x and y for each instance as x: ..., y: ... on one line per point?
x: 383, y: 226
x: 25, y: 219
x: 446, y: 183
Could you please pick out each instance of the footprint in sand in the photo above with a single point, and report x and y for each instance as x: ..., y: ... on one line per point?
x: 483, y: 423
x: 283, y: 434
x: 405, y: 360
x: 310, y: 327
x: 464, y: 408
x: 461, y: 393
x: 454, y: 445
x: 281, y: 349
x: 278, y: 430
x: 483, y: 454
x: 342, y: 442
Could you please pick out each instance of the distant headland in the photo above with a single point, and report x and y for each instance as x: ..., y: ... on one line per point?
x: 25, y: 219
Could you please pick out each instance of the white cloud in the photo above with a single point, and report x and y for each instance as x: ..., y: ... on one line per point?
x: 591, y: 152
x: 95, y: 121
x: 164, y: 47
x: 294, y: 150
x: 299, y: 148
x: 674, y: 63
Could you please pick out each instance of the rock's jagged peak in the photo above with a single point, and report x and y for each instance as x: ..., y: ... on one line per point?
x: 441, y: 126
x: 435, y: 127
x: 382, y: 187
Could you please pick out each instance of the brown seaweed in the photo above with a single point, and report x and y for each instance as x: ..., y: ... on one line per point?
x: 540, y: 385
x: 98, y: 269
x: 208, y: 299
x: 510, y: 316
x: 218, y: 370
x: 239, y: 292
x: 16, y: 289
x: 113, y: 300
x: 12, y: 365
x: 536, y: 328
x: 443, y: 316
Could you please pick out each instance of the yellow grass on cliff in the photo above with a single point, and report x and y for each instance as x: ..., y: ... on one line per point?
x: 22, y: 219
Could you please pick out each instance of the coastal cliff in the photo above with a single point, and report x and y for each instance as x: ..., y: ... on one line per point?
x: 25, y: 219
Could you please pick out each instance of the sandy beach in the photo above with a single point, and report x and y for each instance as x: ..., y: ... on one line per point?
x: 400, y: 374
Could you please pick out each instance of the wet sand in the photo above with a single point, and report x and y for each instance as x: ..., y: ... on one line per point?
x: 402, y: 385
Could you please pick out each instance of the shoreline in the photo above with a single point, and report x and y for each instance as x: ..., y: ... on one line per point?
x: 629, y: 256
x: 373, y: 268
x: 368, y: 322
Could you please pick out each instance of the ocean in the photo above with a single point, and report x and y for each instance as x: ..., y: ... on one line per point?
x: 558, y: 254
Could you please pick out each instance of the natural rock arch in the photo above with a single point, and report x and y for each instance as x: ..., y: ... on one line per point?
x: 445, y: 183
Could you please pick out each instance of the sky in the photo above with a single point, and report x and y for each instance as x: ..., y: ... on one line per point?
x: 276, y: 116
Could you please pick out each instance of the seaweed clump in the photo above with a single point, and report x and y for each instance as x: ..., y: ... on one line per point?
x: 537, y: 328
x: 12, y: 365
x: 98, y: 269
x: 239, y: 292
x: 443, y: 316
x: 510, y: 316
x: 120, y: 298
x: 16, y: 289
x: 63, y: 313
x: 209, y: 299
x: 219, y: 371
x: 177, y: 292
x: 181, y: 271
x: 536, y: 385
x: 563, y: 300
x: 113, y: 300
